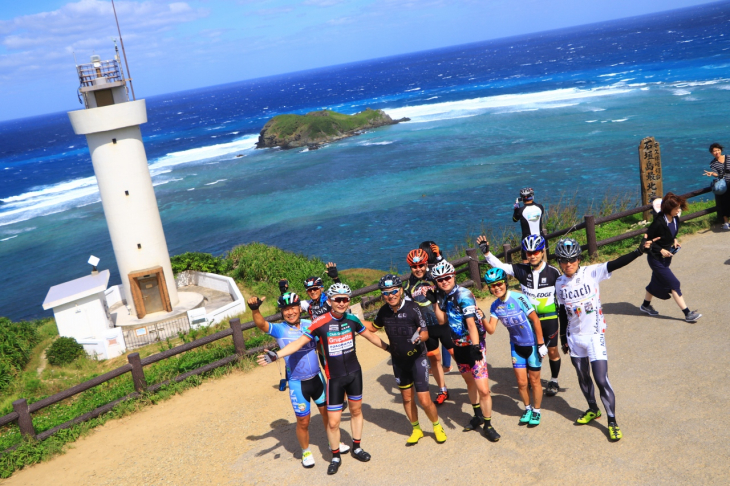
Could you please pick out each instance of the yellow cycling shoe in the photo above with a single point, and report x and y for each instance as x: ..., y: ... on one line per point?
x: 614, y: 433
x: 438, y: 430
x: 415, y: 437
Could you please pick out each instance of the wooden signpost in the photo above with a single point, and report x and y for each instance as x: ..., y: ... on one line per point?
x: 650, y: 167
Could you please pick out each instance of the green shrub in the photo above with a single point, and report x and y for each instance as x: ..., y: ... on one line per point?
x: 199, y: 262
x: 17, y: 340
x: 64, y: 350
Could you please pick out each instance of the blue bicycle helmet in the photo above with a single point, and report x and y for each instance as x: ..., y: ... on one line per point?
x: 533, y: 243
x: 495, y: 275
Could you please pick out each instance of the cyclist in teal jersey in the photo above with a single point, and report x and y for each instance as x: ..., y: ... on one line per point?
x: 537, y: 280
x: 526, y: 340
x: 304, y: 378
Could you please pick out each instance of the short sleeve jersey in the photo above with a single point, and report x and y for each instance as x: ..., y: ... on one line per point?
x: 581, y: 298
x: 458, y: 305
x: 337, y: 341
x: 423, y: 293
x: 531, y: 218
x: 316, y: 308
x: 400, y: 327
x: 513, y: 312
x: 303, y: 364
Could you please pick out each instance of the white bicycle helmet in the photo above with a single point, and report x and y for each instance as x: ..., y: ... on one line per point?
x: 339, y: 289
x: 442, y: 269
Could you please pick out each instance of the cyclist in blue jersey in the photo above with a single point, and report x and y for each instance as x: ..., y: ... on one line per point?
x: 304, y: 377
x: 336, y: 332
x: 526, y: 340
x: 457, y: 308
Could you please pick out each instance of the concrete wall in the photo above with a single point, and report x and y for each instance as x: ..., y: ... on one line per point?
x: 109, y: 345
x: 115, y: 295
x: 84, y: 318
x: 220, y: 283
x: 125, y: 186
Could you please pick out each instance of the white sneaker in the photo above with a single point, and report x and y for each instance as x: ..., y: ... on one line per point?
x: 344, y: 449
x: 307, y: 459
x: 726, y: 226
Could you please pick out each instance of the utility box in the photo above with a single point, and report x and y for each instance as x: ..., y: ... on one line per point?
x: 81, y: 312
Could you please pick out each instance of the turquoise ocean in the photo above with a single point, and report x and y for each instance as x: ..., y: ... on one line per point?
x: 562, y: 112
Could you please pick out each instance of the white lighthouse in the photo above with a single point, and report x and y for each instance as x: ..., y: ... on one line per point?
x: 111, y: 123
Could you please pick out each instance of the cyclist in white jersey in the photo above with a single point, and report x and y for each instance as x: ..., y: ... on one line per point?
x: 583, y: 327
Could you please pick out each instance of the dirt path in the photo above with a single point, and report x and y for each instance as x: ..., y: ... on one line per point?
x: 669, y: 376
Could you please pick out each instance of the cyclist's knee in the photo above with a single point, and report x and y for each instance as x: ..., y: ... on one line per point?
x: 303, y: 422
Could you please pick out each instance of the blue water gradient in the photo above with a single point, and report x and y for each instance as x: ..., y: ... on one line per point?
x: 562, y: 112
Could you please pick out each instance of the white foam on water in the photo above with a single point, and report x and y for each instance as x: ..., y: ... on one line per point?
x: 619, y: 120
x: 477, y: 106
x: 54, y: 198
x: 216, y: 182
x: 366, y: 144
x: 432, y: 98
x: 591, y: 121
x: 681, y: 92
x: 9, y: 238
x: 414, y: 89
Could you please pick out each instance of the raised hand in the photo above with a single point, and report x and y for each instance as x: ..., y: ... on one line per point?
x: 254, y: 303
x: 331, y: 270
x: 483, y: 244
x: 267, y: 358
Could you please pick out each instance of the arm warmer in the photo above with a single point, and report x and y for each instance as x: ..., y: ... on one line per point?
x: 563, y: 316
x: 622, y: 261
x: 516, y: 215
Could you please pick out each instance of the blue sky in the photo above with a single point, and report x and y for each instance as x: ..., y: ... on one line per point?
x: 175, y: 45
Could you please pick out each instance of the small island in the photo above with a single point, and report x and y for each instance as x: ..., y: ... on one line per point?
x: 319, y: 127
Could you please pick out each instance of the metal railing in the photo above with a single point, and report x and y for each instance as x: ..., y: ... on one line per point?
x: 470, y: 263
x: 105, y: 69
x: 155, y: 332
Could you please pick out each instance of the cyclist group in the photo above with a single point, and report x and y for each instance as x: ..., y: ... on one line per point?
x: 429, y: 309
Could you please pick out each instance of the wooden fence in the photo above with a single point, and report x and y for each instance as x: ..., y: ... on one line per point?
x: 470, y: 263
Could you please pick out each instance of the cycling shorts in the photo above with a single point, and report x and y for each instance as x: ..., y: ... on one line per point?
x: 436, y: 334
x: 591, y: 346
x: 467, y: 365
x: 526, y: 357
x: 409, y: 372
x: 301, y: 392
x: 550, y: 331
x: 337, y: 387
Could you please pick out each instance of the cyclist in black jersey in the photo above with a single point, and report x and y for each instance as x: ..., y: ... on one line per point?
x: 336, y: 331
x: 537, y: 280
x: 421, y: 288
x: 406, y: 329
x: 317, y: 304
x: 531, y: 216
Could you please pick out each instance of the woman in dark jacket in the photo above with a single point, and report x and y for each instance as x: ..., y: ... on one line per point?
x: 664, y: 284
x: 720, y: 165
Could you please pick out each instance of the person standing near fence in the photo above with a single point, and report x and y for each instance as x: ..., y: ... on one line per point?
x: 434, y: 256
x: 457, y: 308
x: 583, y: 326
x: 336, y: 331
x: 537, y: 280
x: 421, y: 288
x: 531, y: 216
x: 304, y: 377
x: 720, y: 168
x: 407, y: 330
x: 664, y: 285
x: 317, y: 304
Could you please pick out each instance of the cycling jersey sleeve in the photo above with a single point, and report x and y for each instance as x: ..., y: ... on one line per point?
x: 275, y: 330
x: 492, y: 311
x: 359, y: 327
x: 496, y: 263
x: 468, y: 304
x: 563, y: 317
x: 621, y: 261
x: 517, y: 214
x: 378, y: 321
x: 419, y: 316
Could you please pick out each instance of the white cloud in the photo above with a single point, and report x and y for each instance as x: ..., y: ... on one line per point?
x: 47, y: 39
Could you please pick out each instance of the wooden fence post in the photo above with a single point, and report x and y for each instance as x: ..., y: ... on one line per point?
x: 474, y: 273
x: 238, y: 341
x: 25, y: 422
x: 140, y: 383
x: 507, y: 255
x: 591, y: 235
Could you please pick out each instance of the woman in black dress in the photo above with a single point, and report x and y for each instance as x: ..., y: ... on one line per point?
x: 664, y: 284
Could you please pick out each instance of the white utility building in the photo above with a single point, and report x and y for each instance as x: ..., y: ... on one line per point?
x: 81, y: 312
x: 111, y: 125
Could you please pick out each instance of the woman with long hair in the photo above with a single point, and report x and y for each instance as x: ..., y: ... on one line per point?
x: 664, y: 284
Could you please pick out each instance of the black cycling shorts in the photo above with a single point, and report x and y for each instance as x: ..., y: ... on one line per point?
x: 412, y: 371
x: 337, y: 387
x: 550, y: 331
x: 436, y: 334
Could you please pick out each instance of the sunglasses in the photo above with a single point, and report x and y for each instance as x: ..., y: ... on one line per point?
x: 386, y: 294
x: 531, y: 253
x: 418, y: 267
x: 568, y: 260
x: 445, y: 278
x: 341, y: 300
x: 313, y: 288
x: 496, y: 284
